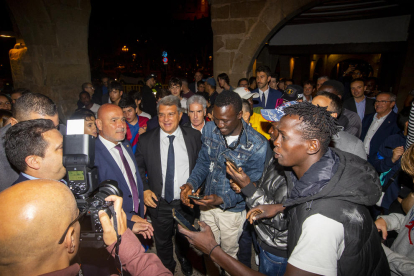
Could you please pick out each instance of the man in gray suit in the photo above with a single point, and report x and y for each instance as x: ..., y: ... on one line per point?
x: 28, y: 107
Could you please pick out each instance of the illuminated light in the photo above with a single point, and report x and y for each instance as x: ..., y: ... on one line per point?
x: 115, y: 79
x: 137, y: 40
x: 125, y: 49
x: 292, y: 66
x: 210, y: 57
x: 5, y: 35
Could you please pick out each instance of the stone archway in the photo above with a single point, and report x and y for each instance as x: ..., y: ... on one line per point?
x: 51, y: 54
x: 241, y: 28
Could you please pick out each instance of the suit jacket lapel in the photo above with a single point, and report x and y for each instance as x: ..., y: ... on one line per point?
x: 107, y: 157
x: 190, y: 149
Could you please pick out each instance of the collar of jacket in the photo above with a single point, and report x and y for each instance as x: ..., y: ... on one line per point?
x: 315, y: 178
x: 244, y: 140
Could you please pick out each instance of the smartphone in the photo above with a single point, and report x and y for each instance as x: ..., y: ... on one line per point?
x: 232, y: 164
x: 182, y: 221
x: 196, y: 197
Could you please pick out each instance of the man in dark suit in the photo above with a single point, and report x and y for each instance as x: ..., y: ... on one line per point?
x: 35, y: 148
x: 268, y: 95
x: 115, y: 160
x: 198, y: 76
x: 376, y: 127
x: 359, y: 103
x: 29, y: 106
x: 168, y: 155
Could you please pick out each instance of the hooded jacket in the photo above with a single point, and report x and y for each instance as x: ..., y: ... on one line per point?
x: 340, y: 189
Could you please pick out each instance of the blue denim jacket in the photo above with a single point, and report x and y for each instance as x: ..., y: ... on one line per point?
x: 250, y: 154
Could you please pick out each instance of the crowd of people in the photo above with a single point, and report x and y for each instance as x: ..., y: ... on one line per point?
x: 315, y: 179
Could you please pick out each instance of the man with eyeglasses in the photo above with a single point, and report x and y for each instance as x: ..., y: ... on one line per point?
x: 47, y: 239
x: 376, y: 127
x: 167, y: 155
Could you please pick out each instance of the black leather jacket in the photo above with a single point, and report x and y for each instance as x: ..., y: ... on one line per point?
x: 270, y: 189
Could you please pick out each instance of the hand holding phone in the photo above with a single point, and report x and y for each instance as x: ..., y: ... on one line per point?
x: 196, y: 197
x: 232, y: 164
x: 182, y: 221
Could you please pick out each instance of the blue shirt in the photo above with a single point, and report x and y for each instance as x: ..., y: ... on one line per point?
x: 361, y: 108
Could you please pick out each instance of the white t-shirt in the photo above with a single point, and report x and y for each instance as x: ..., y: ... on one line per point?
x: 320, y: 246
x: 231, y: 139
x: 145, y: 114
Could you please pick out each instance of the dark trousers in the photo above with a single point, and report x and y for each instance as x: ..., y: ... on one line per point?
x: 164, y: 229
x: 245, y: 244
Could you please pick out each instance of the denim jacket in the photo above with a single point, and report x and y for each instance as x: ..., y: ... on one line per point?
x: 250, y: 154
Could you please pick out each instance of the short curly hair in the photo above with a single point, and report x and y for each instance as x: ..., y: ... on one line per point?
x: 317, y: 122
x: 226, y: 98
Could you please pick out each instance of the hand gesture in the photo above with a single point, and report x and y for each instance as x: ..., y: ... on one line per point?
x: 203, y: 240
x: 397, y: 153
x: 149, y: 198
x: 264, y: 211
x: 239, y: 177
x: 109, y: 234
x: 186, y: 190
x: 210, y: 200
x: 382, y: 226
x: 143, y: 228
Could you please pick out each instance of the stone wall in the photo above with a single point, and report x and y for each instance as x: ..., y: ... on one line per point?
x: 55, y: 59
x: 241, y: 28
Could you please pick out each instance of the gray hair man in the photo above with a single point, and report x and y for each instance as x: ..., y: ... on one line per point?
x: 197, y: 107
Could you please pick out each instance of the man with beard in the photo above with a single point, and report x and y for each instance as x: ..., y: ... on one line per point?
x: 268, y: 95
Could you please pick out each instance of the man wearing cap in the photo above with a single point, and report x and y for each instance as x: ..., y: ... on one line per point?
x: 292, y: 92
x: 255, y: 118
x: 211, y: 90
x: 267, y: 95
x: 149, y: 104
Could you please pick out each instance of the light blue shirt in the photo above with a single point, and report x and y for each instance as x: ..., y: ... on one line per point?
x: 361, y: 108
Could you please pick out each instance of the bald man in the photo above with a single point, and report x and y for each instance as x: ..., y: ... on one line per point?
x: 38, y: 214
x: 115, y: 160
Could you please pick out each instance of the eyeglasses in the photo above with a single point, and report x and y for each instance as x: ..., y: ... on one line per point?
x: 384, y: 101
x: 5, y: 103
x: 72, y: 223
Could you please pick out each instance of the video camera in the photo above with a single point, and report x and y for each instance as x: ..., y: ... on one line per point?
x: 82, y: 180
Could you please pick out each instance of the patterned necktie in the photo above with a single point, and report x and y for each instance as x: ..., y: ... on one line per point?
x: 169, y: 176
x: 131, y: 179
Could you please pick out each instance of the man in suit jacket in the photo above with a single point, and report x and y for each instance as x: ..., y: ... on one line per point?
x: 25, y: 148
x: 168, y: 155
x: 29, y: 106
x: 115, y: 160
x: 359, y: 103
x: 378, y: 126
x: 268, y: 95
x: 198, y: 76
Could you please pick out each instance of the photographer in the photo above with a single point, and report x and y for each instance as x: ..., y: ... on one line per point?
x: 35, y: 148
x: 30, y: 246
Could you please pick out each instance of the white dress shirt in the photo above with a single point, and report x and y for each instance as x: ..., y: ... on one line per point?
x: 266, y: 93
x: 117, y: 158
x: 204, y: 123
x: 375, y: 125
x: 182, y: 166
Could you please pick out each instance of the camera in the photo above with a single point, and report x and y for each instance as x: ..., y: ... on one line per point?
x: 91, y: 228
x: 82, y: 180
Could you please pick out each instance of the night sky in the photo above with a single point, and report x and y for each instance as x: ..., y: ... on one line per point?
x: 154, y: 23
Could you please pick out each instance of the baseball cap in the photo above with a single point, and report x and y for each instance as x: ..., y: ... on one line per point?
x: 292, y: 92
x: 274, y: 115
x: 151, y: 76
x: 245, y: 94
x: 211, y: 81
